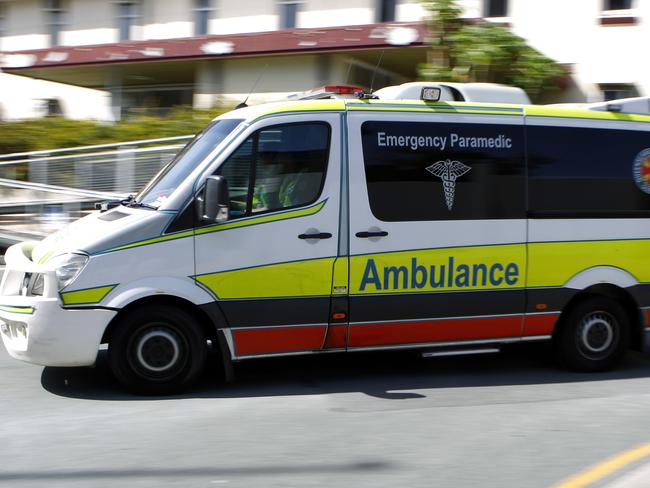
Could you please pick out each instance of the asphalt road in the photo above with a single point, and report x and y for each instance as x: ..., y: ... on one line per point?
x: 364, y: 420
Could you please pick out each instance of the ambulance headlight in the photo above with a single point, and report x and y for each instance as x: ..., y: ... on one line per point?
x: 67, y: 267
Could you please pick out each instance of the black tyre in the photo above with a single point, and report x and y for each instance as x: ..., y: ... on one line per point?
x: 157, y: 350
x: 594, y: 335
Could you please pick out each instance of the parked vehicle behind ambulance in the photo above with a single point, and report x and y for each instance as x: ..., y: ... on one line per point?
x: 351, y: 225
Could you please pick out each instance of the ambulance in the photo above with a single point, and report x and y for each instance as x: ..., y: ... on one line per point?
x: 389, y: 221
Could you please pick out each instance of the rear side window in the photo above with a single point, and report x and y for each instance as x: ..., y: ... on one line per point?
x: 278, y: 167
x: 588, y: 172
x: 437, y: 171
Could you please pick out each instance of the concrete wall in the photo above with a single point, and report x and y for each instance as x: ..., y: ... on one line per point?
x: 320, y: 13
x: 571, y: 33
x: 24, y: 98
x: 89, y: 22
x: 168, y: 20
x: 25, y: 26
x: 236, y: 16
x: 238, y: 76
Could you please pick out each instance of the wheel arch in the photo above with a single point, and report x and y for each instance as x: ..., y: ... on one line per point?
x: 615, y: 292
x: 209, y: 316
x: 596, y: 275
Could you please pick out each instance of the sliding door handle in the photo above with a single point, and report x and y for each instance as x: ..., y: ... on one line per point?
x: 319, y: 235
x: 366, y: 234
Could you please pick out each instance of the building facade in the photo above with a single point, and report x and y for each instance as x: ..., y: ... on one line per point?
x: 135, y: 55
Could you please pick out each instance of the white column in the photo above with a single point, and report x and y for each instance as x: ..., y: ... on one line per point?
x: 114, y: 87
x: 207, y: 84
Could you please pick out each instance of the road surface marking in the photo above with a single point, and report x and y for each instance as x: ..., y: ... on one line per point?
x: 607, y: 467
x: 638, y: 478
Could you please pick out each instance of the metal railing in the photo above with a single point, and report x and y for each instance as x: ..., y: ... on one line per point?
x: 122, y: 167
x: 40, y: 191
x: 34, y: 210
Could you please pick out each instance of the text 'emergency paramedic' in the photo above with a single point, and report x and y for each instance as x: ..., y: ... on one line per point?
x: 449, y: 275
x: 452, y: 141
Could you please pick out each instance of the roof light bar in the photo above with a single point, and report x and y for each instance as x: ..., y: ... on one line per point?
x: 327, y: 91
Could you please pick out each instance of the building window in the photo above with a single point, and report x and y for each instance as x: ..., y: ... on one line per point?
x: 128, y: 15
x: 288, y: 15
x: 386, y: 10
x: 617, y: 5
x: 496, y: 8
x: 618, y: 12
x: 152, y: 100
x: 202, y: 9
x: 616, y: 92
x: 582, y: 172
x: 52, y: 107
x: 55, y: 20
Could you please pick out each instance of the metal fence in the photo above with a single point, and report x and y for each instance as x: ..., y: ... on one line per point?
x: 122, y: 168
x: 33, y: 210
x: 41, y: 191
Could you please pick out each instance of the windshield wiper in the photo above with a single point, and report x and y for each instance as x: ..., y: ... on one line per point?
x: 133, y: 203
x: 109, y: 204
x: 128, y: 200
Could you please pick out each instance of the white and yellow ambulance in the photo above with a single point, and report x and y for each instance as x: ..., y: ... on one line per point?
x: 351, y: 225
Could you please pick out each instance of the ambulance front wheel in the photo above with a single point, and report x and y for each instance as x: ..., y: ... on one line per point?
x: 157, y: 350
x: 593, y: 336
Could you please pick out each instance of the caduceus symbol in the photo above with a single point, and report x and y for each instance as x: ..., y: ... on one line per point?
x: 448, y: 171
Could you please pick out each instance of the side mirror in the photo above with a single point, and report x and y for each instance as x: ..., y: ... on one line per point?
x: 215, y: 202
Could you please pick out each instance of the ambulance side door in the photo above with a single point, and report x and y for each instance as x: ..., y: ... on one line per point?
x: 437, y: 228
x: 270, y: 265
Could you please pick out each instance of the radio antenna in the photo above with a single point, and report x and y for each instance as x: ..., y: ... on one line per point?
x: 347, y: 75
x: 374, y: 73
x: 243, y: 104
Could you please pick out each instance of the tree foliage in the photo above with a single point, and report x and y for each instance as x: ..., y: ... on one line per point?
x: 464, y: 51
x: 58, y: 132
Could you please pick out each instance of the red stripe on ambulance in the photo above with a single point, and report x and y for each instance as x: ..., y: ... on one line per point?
x: 278, y: 339
x: 537, y: 325
x: 364, y: 335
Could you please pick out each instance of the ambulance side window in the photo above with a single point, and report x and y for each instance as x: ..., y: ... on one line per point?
x: 424, y: 171
x: 582, y: 172
x: 277, y: 167
x: 237, y: 171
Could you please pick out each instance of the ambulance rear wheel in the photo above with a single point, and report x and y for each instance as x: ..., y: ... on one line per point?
x: 157, y: 350
x: 594, y: 335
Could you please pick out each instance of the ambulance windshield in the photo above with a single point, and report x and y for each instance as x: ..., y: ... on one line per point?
x: 173, y: 174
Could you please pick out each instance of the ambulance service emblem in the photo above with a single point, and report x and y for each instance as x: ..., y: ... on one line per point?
x: 448, y: 171
x: 642, y: 170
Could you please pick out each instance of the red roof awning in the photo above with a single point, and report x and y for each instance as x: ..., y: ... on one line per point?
x: 295, y: 41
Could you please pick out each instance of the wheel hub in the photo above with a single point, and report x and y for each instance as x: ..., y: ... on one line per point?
x: 158, y: 350
x: 596, y: 332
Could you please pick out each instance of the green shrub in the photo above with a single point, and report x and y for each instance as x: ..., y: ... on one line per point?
x: 58, y: 132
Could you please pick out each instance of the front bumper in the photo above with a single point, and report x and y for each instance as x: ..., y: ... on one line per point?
x: 37, y: 329
x: 52, y: 335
